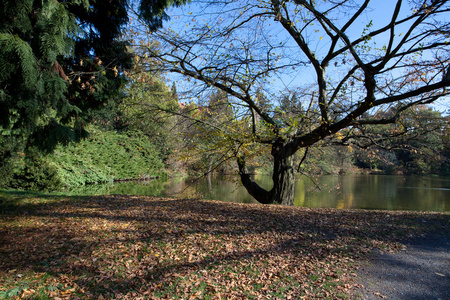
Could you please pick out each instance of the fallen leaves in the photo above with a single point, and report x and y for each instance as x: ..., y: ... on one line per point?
x: 131, y: 247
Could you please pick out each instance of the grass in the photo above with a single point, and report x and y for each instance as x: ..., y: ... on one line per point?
x: 129, y: 247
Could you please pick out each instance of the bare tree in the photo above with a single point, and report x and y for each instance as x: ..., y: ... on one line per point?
x: 344, y: 70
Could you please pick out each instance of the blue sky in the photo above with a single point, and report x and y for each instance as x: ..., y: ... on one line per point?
x: 184, y: 18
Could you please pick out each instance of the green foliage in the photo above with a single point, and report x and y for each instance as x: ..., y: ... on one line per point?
x: 153, y: 11
x: 419, y: 146
x: 11, y: 159
x: 107, y: 156
x: 326, y: 160
x: 104, y: 156
x: 444, y: 168
x: 11, y: 293
x: 147, y: 108
x: 37, y: 174
x: 32, y: 36
x: 59, y: 60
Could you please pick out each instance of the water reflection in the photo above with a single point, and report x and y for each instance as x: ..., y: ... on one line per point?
x: 346, y: 191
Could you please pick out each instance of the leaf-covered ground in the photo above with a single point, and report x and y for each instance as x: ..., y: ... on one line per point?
x: 135, y: 247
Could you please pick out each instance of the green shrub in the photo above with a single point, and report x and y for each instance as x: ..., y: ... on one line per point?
x: 104, y: 156
x: 107, y: 156
x: 37, y: 174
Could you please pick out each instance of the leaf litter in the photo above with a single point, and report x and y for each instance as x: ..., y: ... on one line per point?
x: 136, y: 247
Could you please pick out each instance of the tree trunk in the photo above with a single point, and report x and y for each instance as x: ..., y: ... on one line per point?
x: 283, y: 188
x: 257, y: 192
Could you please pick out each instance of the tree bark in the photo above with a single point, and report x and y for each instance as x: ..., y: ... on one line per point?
x: 59, y: 70
x: 261, y: 195
x: 283, y: 188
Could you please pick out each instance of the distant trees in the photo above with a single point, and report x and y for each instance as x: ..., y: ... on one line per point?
x: 418, y: 147
x: 201, y: 144
x: 136, y: 109
x: 364, y: 78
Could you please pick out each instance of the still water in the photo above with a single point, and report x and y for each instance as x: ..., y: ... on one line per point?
x: 343, y: 191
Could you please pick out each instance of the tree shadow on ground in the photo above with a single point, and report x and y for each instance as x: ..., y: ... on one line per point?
x: 420, y: 272
x: 133, y: 246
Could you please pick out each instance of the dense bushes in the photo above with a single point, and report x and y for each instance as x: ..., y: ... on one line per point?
x: 35, y: 173
x: 107, y: 156
x: 103, y: 156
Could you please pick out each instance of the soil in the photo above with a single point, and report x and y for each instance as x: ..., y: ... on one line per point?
x: 421, y: 271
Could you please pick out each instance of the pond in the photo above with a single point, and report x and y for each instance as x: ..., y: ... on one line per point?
x: 343, y: 191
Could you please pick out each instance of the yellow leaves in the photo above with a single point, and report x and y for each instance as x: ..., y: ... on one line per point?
x: 68, y: 291
x: 27, y: 293
x: 339, y: 135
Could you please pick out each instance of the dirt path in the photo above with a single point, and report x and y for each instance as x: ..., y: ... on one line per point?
x: 422, y: 271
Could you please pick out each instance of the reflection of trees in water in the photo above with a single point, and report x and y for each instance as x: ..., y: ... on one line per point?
x: 224, y: 188
x: 374, y: 192
x: 90, y: 189
x: 345, y: 191
x: 427, y: 192
x: 154, y: 187
x: 175, y: 187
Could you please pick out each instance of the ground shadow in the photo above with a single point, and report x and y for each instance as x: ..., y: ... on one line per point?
x: 119, y: 245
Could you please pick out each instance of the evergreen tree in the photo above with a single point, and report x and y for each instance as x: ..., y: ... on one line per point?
x: 59, y: 60
x: 33, y: 86
x: 174, y: 91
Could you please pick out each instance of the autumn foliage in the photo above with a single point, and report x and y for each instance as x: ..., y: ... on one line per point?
x: 133, y: 247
